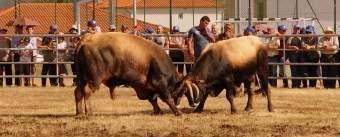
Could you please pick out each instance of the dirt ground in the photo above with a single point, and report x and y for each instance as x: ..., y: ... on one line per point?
x: 50, y: 112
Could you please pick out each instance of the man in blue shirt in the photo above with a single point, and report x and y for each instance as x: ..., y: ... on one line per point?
x: 199, y: 37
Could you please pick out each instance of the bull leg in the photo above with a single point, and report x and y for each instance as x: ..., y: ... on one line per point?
x: 249, y: 85
x: 79, y: 97
x: 269, y: 100
x: 88, y: 92
x: 200, y: 106
x: 156, y: 109
x: 230, y: 90
x: 112, y: 92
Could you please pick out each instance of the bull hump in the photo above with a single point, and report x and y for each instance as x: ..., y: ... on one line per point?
x: 240, y: 52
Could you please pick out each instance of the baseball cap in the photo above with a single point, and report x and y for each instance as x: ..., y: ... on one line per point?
x: 309, y: 29
x: 54, y: 27
x: 148, y: 30
x: 297, y: 26
x: 281, y: 27
x: 249, y: 29
x: 175, y: 29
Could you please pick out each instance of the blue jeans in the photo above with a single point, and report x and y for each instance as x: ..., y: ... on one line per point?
x: 273, y: 70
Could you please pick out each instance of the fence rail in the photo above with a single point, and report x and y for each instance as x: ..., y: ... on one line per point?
x: 160, y: 35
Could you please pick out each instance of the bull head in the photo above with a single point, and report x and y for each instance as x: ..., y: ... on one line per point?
x: 190, y: 89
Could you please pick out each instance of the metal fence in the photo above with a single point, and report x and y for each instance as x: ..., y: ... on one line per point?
x: 165, y: 35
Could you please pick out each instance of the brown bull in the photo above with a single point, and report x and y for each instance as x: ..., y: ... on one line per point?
x: 226, y: 63
x: 117, y: 58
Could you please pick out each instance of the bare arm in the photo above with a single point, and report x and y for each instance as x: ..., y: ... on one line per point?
x: 190, y: 47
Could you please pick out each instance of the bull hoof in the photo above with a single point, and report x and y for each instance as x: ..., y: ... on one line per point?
x: 157, y: 112
x: 233, y: 112
x: 271, y: 110
x: 81, y: 116
x: 179, y: 113
x: 193, y: 105
x: 198, y: 110
x: 248, y: 109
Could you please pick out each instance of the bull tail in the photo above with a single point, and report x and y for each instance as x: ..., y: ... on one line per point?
x: 262, y: 72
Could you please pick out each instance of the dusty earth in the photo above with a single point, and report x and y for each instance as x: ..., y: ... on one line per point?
x: 50, y: 112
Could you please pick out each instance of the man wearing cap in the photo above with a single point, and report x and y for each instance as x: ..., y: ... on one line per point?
x: 5, y: 57
x: 199, y: 37
x: 148, y: 31
x: 15, y: 54
x: 49, y: 44
x: 328, y: 46
x: 282, y: 29
x: 311, y: 55
x: 248, y: 31
x: 34, y: 43
x: 276, y: 56
x: 295, y: 56
x: 92, y: 27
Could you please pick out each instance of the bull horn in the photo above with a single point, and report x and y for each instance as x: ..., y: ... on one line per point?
x: 190, y: 88
x: 196, y: 94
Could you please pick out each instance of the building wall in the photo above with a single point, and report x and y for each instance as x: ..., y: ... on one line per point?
x: 182, y: 17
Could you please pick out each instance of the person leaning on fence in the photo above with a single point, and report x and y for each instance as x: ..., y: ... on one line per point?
x: 161, y: 41
x: 25, y: 56
x: 92, y: 27
x: 311, y: 55
x: 5, y: 57
x: 273, y: 44
x: 248, y: 31
x: 282, y: 29
x: 62, y: 51
x: 294, y: 44
x: 48, y: 45
x: 71, y: 46
x: 148, y: 31
x: 328, y: 46
x: 228, y: 32
x: 199, y: 37
x: 15, y: 57
x: 177, y: 54
x: 34, y: 43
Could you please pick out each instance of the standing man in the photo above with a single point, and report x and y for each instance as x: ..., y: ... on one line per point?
x: 282, y: 29
x: 311, y: 56
x: 34, y: 43
x: 294, y: 56
x: 49, y: 44
x: 4, y: 57
x: 15, y: 54
x: 199, y: 37
x: 328, y: 46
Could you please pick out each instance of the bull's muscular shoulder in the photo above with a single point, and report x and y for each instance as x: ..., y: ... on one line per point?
x: 239, y: 51
x: 120, y: 41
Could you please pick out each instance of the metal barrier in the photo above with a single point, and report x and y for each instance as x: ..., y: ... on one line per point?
x: 159, y: 35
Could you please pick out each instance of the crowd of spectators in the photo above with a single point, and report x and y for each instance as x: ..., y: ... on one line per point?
x: 293, y: 49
